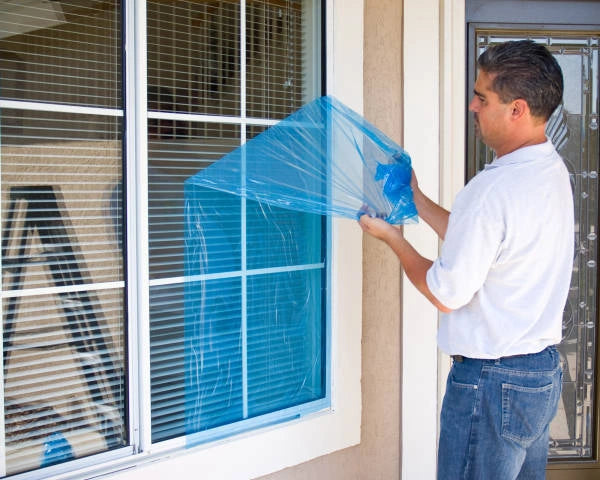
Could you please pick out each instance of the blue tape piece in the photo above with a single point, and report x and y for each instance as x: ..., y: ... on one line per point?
x: 57, y: 449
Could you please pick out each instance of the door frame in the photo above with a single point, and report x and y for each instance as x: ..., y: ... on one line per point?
x: 557, y: 469
x: 434, y: 135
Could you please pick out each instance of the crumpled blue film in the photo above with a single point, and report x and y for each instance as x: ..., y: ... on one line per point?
x: 324, y: 159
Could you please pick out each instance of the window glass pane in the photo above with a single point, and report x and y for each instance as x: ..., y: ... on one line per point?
x: 279, y: 237
x: 64, y: 379
x: 194, y: 56
x: 191, y: 320
x: 64, y: 346
x: 171, y: 161
x: 214, y: 353
x: 65, y: 51
x: 61, y: 176
x: 285, y: 340
x: 278, y: 43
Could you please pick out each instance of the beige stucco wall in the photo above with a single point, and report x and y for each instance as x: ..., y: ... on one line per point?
x: 378, y: 455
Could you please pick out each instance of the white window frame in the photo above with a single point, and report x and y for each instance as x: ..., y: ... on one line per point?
x: 434, y: 133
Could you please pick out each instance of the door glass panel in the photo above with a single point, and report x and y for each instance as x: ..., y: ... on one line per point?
x: 573, y: 129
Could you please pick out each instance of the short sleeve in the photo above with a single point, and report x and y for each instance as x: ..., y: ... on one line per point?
x: 473, y: 239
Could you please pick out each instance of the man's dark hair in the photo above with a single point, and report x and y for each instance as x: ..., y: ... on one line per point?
x: 525, y: 69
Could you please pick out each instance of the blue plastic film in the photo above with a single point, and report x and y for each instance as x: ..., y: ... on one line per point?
x: 324, y: 159
x: 254, y: 328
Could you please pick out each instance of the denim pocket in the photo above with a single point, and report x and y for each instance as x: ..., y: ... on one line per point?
x: 525, y: 412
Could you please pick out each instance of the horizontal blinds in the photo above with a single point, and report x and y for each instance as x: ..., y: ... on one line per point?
x: 64, y: 52
x: 194, y: 56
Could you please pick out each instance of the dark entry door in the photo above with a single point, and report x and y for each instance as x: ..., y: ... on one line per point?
x: 562, y: 27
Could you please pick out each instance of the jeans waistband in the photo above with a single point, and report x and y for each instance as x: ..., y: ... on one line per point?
x: 462, y: 358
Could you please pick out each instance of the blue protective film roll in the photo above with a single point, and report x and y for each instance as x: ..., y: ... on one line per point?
x: 324, y: 159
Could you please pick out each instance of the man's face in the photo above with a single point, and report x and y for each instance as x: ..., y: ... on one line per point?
x: 491, y: 115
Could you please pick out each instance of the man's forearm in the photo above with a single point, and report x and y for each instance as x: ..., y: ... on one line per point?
x: 434, y: 215
x: 414, y: 264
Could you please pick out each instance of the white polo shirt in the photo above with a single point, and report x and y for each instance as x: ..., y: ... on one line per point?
x: 506, y: 261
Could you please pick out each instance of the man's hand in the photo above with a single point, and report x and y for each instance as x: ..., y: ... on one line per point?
x: 379, y: 228
x: 415, y: 266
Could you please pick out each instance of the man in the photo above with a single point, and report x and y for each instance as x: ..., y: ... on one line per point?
x: 503, y: 274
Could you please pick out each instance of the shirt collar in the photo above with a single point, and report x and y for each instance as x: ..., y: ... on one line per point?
x: 524, y: 154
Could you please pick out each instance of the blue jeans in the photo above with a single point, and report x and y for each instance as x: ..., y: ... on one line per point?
x: 495, y: 417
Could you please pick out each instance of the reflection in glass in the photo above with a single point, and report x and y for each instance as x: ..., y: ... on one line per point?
x: 64, y: 349
x: 64, y: 379
x: 61, y: 176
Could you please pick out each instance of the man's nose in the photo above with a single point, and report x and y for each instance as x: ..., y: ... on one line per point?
x: 472, y: 105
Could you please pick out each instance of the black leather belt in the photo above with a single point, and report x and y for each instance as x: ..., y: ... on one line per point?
x: 461, y: 358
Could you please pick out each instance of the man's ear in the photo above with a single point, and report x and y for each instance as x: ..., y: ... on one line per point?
x: 519, y: 108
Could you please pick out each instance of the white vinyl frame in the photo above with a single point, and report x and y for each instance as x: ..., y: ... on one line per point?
x: 434, y: 119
